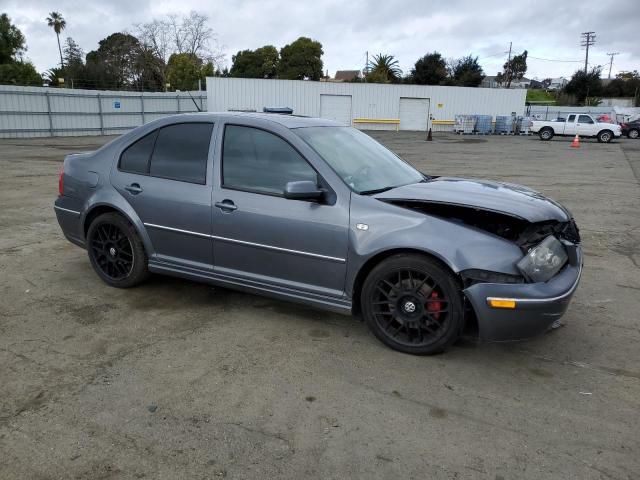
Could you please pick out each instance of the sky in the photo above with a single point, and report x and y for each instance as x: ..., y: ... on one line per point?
x: 347, y: 29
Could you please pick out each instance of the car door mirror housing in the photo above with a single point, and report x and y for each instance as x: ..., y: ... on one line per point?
x: 303, y: 190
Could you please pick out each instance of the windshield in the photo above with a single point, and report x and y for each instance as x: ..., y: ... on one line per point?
x: 365, y: 165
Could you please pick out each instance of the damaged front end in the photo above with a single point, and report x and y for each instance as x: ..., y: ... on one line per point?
x: 527, y: 235
x: 511, y: 306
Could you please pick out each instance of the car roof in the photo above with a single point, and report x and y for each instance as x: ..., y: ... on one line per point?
x: 288, y: 121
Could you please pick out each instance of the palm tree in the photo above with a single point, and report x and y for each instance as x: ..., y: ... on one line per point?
x: 385, y: 68
x: 55, y: 21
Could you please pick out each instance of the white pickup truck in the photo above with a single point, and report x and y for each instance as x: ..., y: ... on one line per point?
x: 576, y: 124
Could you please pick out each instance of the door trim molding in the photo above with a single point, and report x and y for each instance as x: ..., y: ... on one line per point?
x: 178, y: 230
x: 280, y: 249
x: 251, y: 244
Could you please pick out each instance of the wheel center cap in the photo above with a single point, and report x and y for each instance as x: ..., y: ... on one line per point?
x: 112, y: 251
x: 409, y: 307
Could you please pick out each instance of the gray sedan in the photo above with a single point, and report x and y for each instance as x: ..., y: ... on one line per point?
x: 307, y: 210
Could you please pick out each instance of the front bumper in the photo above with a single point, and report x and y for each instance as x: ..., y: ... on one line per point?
x: 538, y: 305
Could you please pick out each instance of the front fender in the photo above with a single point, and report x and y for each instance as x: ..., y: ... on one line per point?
x: 390, y: 227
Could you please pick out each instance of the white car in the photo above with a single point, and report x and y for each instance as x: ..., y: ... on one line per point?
x: 577, y: 124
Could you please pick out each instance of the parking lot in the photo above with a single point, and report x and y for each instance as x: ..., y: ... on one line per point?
x: 175, y: 379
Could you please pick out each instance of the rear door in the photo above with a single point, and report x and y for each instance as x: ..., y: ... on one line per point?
x: 263, y: 237
x: 570, y: 125
x: 163, y: 176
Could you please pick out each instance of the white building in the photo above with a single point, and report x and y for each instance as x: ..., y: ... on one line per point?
x: 558, y: 83
x: 407, y: 107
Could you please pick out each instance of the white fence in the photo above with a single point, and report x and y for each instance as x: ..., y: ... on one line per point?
x: 543, y: 112
x: 48, y: 112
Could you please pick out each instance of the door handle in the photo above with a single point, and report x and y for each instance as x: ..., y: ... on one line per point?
x: 133, y: 189
x: 226, y: 206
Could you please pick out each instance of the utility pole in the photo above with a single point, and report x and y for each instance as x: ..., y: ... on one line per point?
x: 588, y: 39
x: 611, y: 61
x: 366, y: 67
x: 508, y: 75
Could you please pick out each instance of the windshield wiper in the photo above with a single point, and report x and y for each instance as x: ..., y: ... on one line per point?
x: 377, y: 190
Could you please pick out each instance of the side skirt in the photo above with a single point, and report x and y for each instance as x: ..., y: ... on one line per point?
x: 338, y: 305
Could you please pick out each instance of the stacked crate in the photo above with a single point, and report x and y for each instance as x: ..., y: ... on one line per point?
x: 483, y: 124
x: 524, y: 125
x: 504, y: 125
x: 468, y: 123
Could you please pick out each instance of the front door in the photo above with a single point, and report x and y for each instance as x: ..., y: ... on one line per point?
x: 586, y: 126
x: 163, y: 177
x: 262, y: 237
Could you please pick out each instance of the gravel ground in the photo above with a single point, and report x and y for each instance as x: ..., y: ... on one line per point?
x: 181, y: 380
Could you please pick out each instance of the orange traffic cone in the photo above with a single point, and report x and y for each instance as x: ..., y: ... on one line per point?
x: 576, y: 142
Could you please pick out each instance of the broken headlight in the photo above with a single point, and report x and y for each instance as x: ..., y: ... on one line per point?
x: 544, y: 260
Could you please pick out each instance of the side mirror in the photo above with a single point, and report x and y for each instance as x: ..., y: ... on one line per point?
x: 303, y: 190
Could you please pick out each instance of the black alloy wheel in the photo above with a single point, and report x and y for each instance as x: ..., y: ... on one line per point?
x: 112, y: 251
x: 413, y: 304
x: 116, y: 252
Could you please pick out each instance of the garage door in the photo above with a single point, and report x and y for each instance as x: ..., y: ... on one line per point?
x: 336, y: 107
x: 414, y: 113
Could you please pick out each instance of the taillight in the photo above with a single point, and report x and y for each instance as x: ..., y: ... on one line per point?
x: 61, y: 181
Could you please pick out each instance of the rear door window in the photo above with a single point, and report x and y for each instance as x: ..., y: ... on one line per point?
x: 181, y: 152
x: 135, y: 159
x: 571, y: 118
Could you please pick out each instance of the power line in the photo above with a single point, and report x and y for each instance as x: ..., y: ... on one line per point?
x: 588, y: 39
x: 493, y: 55
x: 554, y: 59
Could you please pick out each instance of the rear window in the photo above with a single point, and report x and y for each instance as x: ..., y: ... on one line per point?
x: 181, y: 152
x: 135, y: 158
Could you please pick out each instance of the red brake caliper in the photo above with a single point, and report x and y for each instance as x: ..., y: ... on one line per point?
x: 433, y: 305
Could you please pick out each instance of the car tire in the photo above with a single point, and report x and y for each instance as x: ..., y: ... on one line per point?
x: 605, y: 136
x: 413, y: 304
x: 546, y: 134
x: 633, y: 133
x: 116, y: 252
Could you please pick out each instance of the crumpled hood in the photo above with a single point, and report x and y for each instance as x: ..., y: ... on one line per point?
x: 507, y: 198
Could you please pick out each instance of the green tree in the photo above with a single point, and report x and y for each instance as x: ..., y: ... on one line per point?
x: 208, y: 70
x: 466, y: 72
x: 626, y: 84
x: 183, y: 71
x: 12, y: 42
x: 116, y: 62
x: 148, y: 70
x: 430, y: 70
x: 301, y: 60
x: 585, y: 85
x: 513, y: 69
x: 58, y: 23
x: 19, y: 73
x: 53, y: 75
x: 383, y: 69
x: 259, y: 63
x: 74, y: 63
